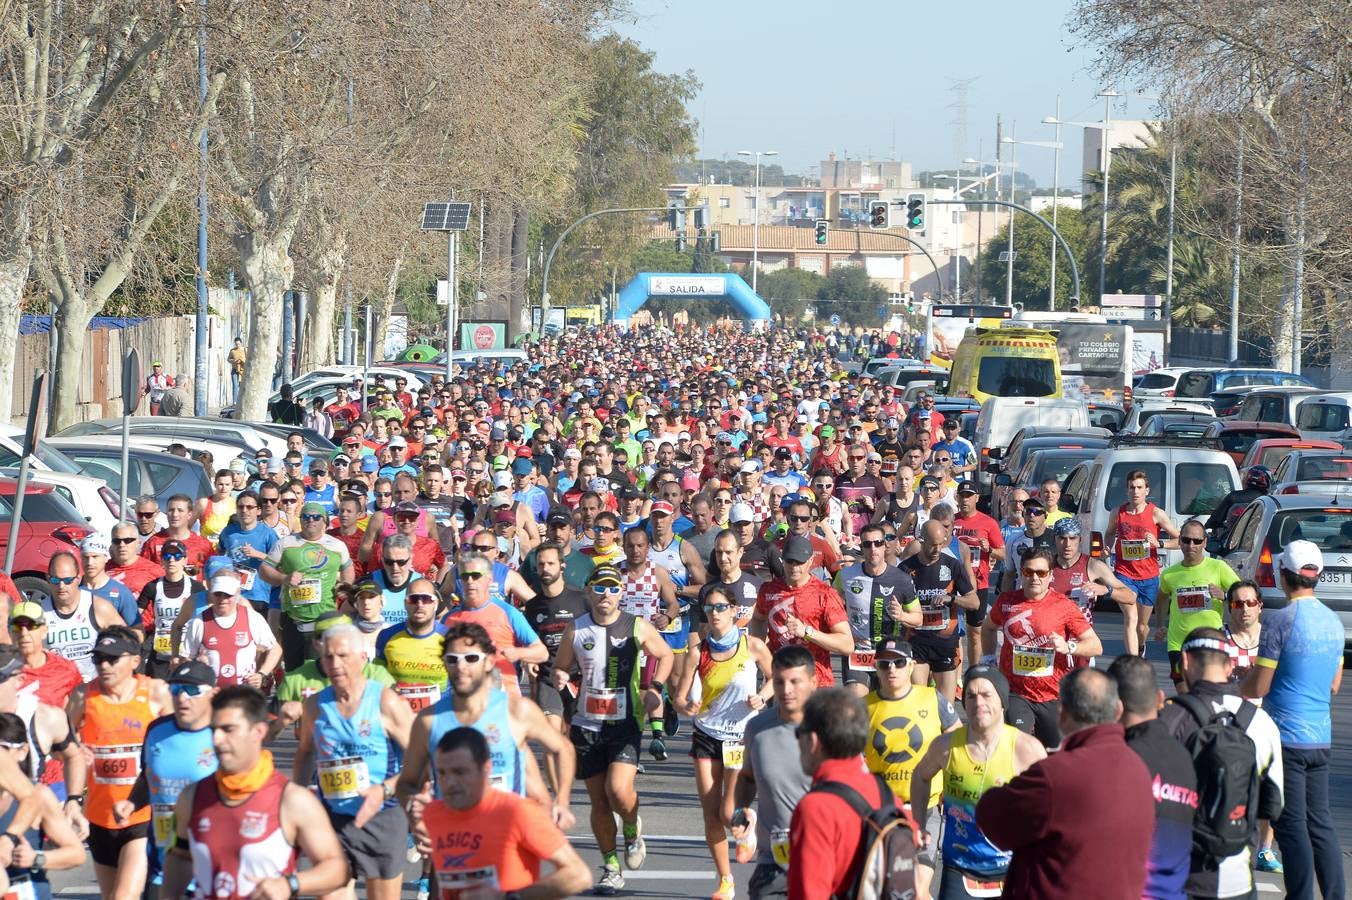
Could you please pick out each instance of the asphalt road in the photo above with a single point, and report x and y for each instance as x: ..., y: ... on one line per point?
x: 678, y: 863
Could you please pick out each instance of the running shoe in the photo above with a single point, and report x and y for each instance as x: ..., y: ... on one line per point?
x: 412, y: 854
x: 635, y: 850
x: 424, y: 888
x: 1268, y: 862
x: 671, y: 723
x: 610, y: 883
x: 658, y: 748
x: 746, y: 844
x: 726, y: 889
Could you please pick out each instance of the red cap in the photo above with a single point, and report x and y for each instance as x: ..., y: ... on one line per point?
x: 662, y: 506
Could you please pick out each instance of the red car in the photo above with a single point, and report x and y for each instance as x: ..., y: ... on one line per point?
x: 1271, y: 451
x: 1237, y: 437
x: 50, y: 523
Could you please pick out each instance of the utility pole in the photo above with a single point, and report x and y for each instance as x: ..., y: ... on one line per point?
x: 199, y: 392
x: 1234, y: 252
x: 1107, y: 162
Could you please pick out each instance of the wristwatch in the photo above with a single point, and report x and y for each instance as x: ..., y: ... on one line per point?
x: 1070, y: 646
x: 39, y: 860
x: 293, y: 882
x: 389, y: 791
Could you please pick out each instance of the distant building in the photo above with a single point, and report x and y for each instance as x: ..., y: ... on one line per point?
x: 857, y: 174
x: 1121, y: 133
x: 1039, y: 202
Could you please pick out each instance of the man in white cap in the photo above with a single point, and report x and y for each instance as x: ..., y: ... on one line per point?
x: 1298, y: 670
x: 94, y: 551
x: 231, y: 637
x: 398, y: 450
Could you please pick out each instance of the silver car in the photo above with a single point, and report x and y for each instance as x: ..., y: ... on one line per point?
x: 1325, y: 473
x: 1270, y: 523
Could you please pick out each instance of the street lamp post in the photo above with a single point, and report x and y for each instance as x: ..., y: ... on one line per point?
x: 1055, y: 147
x: 1107, y: 163
x: 755, y: 223
x: 956, y: 178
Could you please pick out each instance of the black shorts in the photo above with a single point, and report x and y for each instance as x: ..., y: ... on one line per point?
x: 705, y: 746
x: 977, y: 616
x: 598, y: 750
x: 105, y: 844
x: 941, y: 655
x: 554, y: 703
x: 376, y: 851
x: 1042, y: 720
x: 856, y: 676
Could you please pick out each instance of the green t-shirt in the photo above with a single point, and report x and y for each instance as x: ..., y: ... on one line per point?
x: 1188, y: 590
x: 321, y: 562
x: 308, y: 680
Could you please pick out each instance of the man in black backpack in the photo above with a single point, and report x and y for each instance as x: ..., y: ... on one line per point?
x: 827, y: 829
x: 1206, y: 671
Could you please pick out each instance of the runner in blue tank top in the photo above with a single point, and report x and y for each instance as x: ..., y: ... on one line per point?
x: 177, y: 752
x: 508, y: 721
x: 352, y: 733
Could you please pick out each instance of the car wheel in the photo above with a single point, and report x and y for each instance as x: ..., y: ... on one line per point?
x: 36, y: 589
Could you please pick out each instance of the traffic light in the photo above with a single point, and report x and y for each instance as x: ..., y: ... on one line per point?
x: 821, y: 232
x: 676, y: 216
x: 715, y: 242
x: 701, y: 217
x: 915, y: 212
x: 878, y: 214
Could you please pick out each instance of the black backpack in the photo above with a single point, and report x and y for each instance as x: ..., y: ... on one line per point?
x: 1226, y: 761
x: 884, y: 865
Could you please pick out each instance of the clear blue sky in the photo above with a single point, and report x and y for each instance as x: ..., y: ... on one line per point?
x: 807, y: 78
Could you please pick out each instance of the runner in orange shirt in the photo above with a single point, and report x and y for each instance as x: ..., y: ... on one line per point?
x: 491, y: 841
x: 119, y: 707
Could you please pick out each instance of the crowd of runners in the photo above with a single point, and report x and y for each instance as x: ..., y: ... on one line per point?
x: 525, y: 577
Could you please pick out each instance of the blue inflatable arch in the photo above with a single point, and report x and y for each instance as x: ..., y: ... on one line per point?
x: 688, y: 286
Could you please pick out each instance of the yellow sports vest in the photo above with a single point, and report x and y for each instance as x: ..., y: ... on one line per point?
x: 900, y: 731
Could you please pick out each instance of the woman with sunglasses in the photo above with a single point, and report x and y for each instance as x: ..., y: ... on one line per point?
x: 729, y: 659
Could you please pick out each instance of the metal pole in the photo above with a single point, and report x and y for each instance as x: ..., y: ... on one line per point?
x: 1074, y: 269
x: 957, y: 257
x: 1103, y: 223
x: 1234, y: 252
x: 199, y: 393
x: 450, y: 304
x: 1169, y: 247
x: 288, y: 334
x: 1298, y: 304
x: 755, y: 228
x: 122, y: 515
x: 366, y: 357
x: 1009, y: 271
x: 36, y: 413
x: 348, y: 342
x: 1056, y: 177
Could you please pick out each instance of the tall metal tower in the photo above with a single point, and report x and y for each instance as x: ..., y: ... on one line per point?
x: 959, y: 87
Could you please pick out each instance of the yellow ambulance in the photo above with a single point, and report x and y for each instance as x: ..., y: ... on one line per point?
x: 1006, y: 362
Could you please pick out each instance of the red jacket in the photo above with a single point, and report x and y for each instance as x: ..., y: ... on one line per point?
x: 1079, y: 822
x: 824, y: 832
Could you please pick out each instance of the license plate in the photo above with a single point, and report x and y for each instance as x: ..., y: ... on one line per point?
x: 1335, y: 579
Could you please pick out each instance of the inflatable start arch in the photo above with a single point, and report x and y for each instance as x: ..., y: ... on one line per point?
x: 687, y: 286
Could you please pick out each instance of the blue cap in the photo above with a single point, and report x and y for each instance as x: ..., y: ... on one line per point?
x: 369, y: 463
x: 757, y: 398
x: 522, y: 467
x: 217, y: 563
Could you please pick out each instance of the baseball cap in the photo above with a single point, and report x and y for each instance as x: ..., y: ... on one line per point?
x: 406, y: 508
x: 504, y: 517
x: 318, y: 468
x: 237, y: 465
x: 572, y: 453
x: 827, y: 431
x: 1033, y: 501
x: 605, y: 575
x: 741, y: 512
x: 991, y: 674
x: 341, y: 459
x: 661, y: 508
x: 893, y: 423
x: 498, y: 434
x: 749, y: 466
x: 500, y: 498
x: 313, y: 508
x: 397, y: 441
x: 225, y: 582
x: 192, y: 671
x: 502, y: 480
x: 797, y: 549
x: 28, y: 609
x: 598, y: 484
x: 690, y: 481
x: 116, y: 645
x: 522, y: 467
x: 895, y: 647
x: 370, y: 464
x: 966, y: 486
x: 559, y: 517
x: 783, y: 453
x: 95, y: 545
x: 1302, y: 558
x: 331, y: 619
x: 929, y: 481
x: 275, y: 466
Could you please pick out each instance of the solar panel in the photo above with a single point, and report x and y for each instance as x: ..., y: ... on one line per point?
x: 445, y: 217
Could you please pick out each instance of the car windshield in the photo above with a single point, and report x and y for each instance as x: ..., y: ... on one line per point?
x: 1331, y: 529
x: 1154, y: 381
x: 1238, y: 441
x: 1322, y: 416
x: 42, y: 506
x: 1324, y: 468
x: 1116, y: 494
x: 1058, y: 465
x: 1195, y: 384
x: 1200, y: 487
x: 1006, y: 376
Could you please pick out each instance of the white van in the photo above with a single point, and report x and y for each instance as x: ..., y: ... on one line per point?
x: 1002, y: 417
x: 1325, y: 417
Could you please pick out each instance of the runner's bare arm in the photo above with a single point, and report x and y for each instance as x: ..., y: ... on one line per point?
x: 1027, y: 750
x: 1110, y: 533
x: 374, y: 527
x: 657, y: 649
x: 306, y: 825
x: 516, y: 586
x: 564, y: 660
x: 178, y: 859
x: 303, y: 767
x: 414, y: 770
x: 269, y: 573
x: 922, y: 779
x: 694, y: 567
x: 569, y: 878
x: 684, y: 705
x: 538, y: 729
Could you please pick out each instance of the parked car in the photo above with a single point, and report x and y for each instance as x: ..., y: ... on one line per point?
x: 48, y: 524
x: 1159, y: 382
x: 1040, y: 465
x: 1001, y: 418
x: 150, y: 470
x: 1199, y: 384
x: 242, y: 435
x: 1107, y: 415
x: 96, y: 502
x: 1142, y: 410
x: 1273, y: 404
x: 1326, y: 416
x: 45, y: 457
x: 901, y: 377
x: 1030, y: 440
x: 1270, y: 523
x: 1187, y: 478
x: 1237, y: 437
x: 1324, y: 472
x: 1271, y: 451
x: 1181, y: 424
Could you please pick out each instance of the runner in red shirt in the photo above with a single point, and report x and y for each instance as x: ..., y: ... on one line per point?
x: 179, y: 511
x: 1137, y: 531
x: 1042, y: 630
x: 803, y: 610
x: 982, y: 536
x: 125, y: 565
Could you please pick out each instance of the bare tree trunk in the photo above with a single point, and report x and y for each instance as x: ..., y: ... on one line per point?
x: 386, y: 309
x: 268, y: 270
x: 326, y: 271
x: 72, y: 322
x: 14, y: 268
x: 519, y: 316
